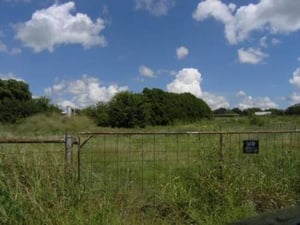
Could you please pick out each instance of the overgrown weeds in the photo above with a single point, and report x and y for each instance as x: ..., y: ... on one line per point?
x: 134, y: 180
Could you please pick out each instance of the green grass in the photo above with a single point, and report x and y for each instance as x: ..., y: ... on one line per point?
x: 173, y: 179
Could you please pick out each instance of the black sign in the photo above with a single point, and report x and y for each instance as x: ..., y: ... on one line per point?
x: 250, y: 147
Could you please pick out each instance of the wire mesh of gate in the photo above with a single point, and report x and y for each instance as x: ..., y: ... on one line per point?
x: 193, y: 167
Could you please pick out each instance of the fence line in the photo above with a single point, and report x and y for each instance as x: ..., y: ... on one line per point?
x: 155, y: 171
x: 189, y: 132
x: 31, y: 141
x: 97, y: 152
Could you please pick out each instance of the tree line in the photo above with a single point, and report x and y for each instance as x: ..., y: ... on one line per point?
x: 151, y: 107
x: 126, y: 109
x: 291, y: 110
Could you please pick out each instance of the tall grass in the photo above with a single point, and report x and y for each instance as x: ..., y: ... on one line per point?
x: 146, y: 180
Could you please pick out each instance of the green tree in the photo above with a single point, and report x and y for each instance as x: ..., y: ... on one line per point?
x: 157, y: 106
x: 293, y: 109
x: 237, y: 111
x: 277, y: 112
x: 151, y: 107
x: 16, y: 101
x: 41, y: 105
x: 14, y: 98
x: 13, y: 89
x: 126, y: 109
x: 189, y: 108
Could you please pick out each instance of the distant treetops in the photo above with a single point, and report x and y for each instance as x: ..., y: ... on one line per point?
x: 151, y: 107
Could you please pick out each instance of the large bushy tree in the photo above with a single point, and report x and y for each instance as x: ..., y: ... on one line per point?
x: 151, y: 107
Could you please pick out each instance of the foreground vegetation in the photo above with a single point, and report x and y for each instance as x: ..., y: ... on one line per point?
x: 173, y: 183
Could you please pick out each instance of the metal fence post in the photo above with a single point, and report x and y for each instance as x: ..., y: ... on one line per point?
x: 68, y: 152
x: 221, y: 157
x: 78, y: 159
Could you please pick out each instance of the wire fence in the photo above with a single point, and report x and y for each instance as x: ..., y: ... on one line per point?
x: 148, y: 164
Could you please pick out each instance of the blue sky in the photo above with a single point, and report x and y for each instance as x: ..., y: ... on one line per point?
x: 231, y: 53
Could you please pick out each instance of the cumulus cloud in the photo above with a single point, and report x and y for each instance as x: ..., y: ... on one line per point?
x: 295, y: 81
x: 219, y: 11
x: 272, y: 16
x: 251, y: 55
x: 83, y: 92
x: 215, y: 101
x: 182, y: 52
x: 146, y: 71
x: 189, y: 80
x: 155, y: 7
x: 248, y: 101
x: 57, y: 25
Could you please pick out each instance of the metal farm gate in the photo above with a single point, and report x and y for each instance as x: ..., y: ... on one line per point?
x: 141, y: 165
x: 165, y: 174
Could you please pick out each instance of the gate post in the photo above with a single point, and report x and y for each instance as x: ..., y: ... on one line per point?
x: 68, y: 152
x: 221, y: 157
x: 78, y: 159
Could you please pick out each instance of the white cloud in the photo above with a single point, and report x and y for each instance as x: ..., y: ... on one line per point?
x: 189, y: 80
x: 10, y: 76
x: 295, y: 81
x: 56, y: 26
x: 146, y: 71
x: 5, y: 49
x: 82, y: 92
x: 259, y: 102
x: 275, y: 41
x: 272, y: 16
x: 251, y: 55
x: 215, y: 101
x: 182, y: 52
x: 294, y: 99
x: 263, y: 42
x: 155, y: 7
x: 241, y: 94
x: 65, y: 103
x: 219, y: 11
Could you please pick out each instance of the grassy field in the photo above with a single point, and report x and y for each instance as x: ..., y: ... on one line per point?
x: 149, y: 179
